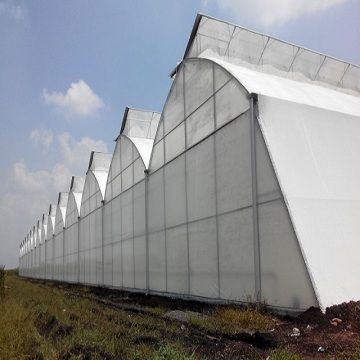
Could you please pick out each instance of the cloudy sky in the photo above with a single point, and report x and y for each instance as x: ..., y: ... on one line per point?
x: 68, y: 69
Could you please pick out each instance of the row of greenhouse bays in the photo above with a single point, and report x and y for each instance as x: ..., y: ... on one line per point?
x: 185, y: 225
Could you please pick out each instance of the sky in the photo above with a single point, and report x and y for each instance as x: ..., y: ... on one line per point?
x: 69, y: 68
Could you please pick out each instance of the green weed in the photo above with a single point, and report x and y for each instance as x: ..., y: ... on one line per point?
x: 283, y: 354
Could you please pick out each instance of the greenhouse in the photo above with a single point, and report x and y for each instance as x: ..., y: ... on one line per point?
x: 244, y: 187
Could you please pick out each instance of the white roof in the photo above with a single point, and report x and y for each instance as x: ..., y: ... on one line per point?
x: 313, y: 137
x: 144, y: 146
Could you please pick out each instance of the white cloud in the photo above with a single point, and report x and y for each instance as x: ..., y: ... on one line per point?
x: 26, y: 180
x: 17, y: 12
x: 43, y: 137
x: 79, y: 100
x: 38, y: 186
x: 76, y: 154
x: 276, y: 12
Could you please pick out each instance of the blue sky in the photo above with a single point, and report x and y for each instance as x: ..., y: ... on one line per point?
x: 69, y: 68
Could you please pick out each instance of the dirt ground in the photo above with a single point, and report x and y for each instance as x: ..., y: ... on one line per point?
x: 312, y: 334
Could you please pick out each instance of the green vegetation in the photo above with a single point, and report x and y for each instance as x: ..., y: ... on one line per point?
x: 44, y: 321
x: 2, y: 281
x: 283, y: 354
x: 50, y: 323
x: 234, y: 320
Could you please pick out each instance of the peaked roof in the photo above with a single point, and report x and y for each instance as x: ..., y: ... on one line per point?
x: 311, y: 129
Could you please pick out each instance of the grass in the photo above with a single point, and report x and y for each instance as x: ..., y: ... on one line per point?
x: 45, y: 320
x: 57, y: 321
x: 283, y: 354
x: 233, y: 320
x: 2, y: 281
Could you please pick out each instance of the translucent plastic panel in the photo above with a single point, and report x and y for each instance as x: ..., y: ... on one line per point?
x: 157, y: 158
x: 307, y: 63
x: 107, y: 233
x: 128, y: 263
x: 278, y: 54
x: 200, y: 124
x: 284, y: 278
x: 95, y: 200
x: 175, y: 192
x: 221, y: 77
x: 139, y: 209
x: 173, y: 113
x: 126, y: 152
x: 140, y: 262
x: 351, y: 78
x: 312, y: 150
x: 42, y: 261
x: 252, y: 50
x: 99, y: 265
x: 233, y: 166
x: 198, y: 84
x: 117, y: 264
x: 236, y: 255
x: 91, y: 184
x: 127, y: 178
x: 115, y: 186
x: 141, y: 123
x: 92, y: 268
x: 160, y: 129
x: 203, y: 258
x: 82, y: 266
x: 230, y: 102
x: 175, y: 142
x: 156, y: 202
x: 331, y: 71
x: 71, y: 211
x: 127, y: 220
x: 177, y: 260
x: 157, y: 262
x: 92, y: 230
x: 200, y: 173
x: 116, y: 220
x: 115, y: 162
x: 108, y: 265
x: 267, y: 184
x: 138, y: 170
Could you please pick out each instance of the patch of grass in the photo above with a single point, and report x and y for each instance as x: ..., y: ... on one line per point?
x: 2, y: 281
x: 283, y: 354
x: 168, y: 353
x: 49, y: 322
x: 233, y: 320
x: 12, y: 272
x: 344, y: 355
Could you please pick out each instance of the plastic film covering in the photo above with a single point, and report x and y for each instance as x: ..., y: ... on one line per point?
x: 312, y: 150
x: 91, y: 220
x: 193, y: 109
x: 49, y: 242
x: 124, y: 223
x: 59, y: 234
x: 140, y: 123
x: 44, y: 224
x: 243, y: 187
x: 266, y: 54
x: 71, y: 238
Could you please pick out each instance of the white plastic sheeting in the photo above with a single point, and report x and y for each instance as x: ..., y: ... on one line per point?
x: 314, y: 152
x: 71, y: 241
x: 312, y: 134
x: 268, y: 55
x: 243, y: 187
x: 91, y: 221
